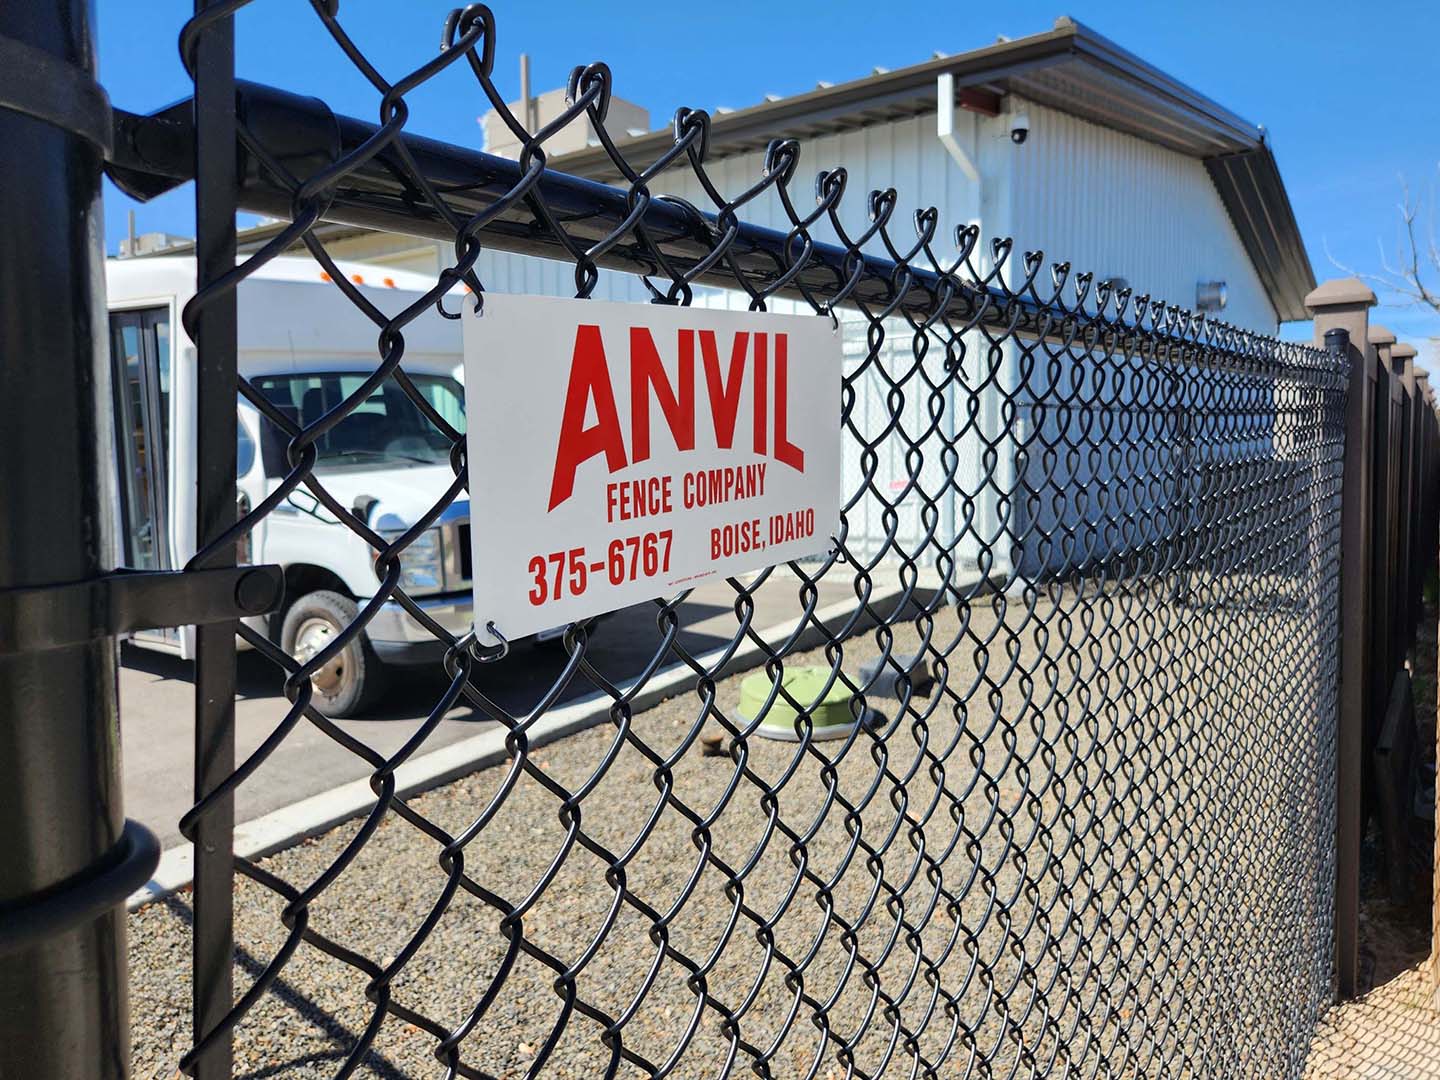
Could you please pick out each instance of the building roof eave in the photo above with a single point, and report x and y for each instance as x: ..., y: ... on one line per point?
x: 1254, y: 195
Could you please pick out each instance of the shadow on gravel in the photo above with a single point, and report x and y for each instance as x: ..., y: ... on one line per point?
x: 323, y: 1022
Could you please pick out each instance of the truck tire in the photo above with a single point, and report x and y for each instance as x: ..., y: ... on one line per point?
x: 355, y: 679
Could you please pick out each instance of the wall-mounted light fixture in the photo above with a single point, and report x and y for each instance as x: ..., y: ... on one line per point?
x: 1211, y: 296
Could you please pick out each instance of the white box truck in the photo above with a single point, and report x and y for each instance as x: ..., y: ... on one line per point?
x: 305, y: 347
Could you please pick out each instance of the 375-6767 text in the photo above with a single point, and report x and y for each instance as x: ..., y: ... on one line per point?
x: 629, y: 558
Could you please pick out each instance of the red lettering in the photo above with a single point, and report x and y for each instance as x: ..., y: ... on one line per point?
x: 589, y: 381
x: 724, y: 396
x: 762, y: 385
x: 784, y: 451
x: 646, y: 374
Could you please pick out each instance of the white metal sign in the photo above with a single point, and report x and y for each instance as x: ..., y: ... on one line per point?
x: 620, y: 452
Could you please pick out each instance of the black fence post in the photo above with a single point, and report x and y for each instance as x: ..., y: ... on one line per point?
x: 1428, y: 526
x: 1402, y: 357
x: 1387, y: 422
x: 214, y: 331
x: 1341, y: 312
x: 68, y: 858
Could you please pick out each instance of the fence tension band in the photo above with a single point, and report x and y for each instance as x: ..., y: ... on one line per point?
x: 40, y: 84
x: 84, y: 898
x: 51, y: 616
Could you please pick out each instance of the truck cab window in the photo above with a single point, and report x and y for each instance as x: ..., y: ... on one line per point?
x: 386, y: 430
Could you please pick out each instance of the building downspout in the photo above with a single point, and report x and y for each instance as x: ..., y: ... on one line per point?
x: 945, y: 126
x: 969, y: 166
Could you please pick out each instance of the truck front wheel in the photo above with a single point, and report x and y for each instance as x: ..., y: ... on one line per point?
x: 354, y: 679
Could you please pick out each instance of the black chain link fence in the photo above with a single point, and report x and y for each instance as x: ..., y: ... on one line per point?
x: 1085, y: 826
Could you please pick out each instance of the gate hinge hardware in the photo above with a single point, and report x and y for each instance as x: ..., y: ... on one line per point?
x: 51, y: 616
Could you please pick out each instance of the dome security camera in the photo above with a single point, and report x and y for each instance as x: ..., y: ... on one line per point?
x: 1019, y: 128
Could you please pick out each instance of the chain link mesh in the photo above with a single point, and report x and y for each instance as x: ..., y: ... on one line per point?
x: 1087, y: 826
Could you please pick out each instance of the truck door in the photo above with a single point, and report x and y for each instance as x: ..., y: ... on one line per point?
x: 140, y: 373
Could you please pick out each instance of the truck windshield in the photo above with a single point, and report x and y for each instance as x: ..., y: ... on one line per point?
x: 386, y: 430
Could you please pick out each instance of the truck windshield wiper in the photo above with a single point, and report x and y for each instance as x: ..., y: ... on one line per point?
x: 335, y: 455
x: 412, y: 457
x: 388, y: 455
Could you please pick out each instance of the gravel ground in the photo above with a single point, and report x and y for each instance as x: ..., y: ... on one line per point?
x: 1392, y: 1033
x: 1059, y: 860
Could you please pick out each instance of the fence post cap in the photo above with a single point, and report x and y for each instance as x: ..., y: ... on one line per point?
x: 1339, y: 292
x: 1402, y: 351
x: 1377, y: 334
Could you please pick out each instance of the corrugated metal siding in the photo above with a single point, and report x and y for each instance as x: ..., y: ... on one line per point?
x: 1118, y: 206
x: 905, y: 155
x: 503, y: 272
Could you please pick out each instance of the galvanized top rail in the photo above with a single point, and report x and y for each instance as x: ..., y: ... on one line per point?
x: 632, y: 231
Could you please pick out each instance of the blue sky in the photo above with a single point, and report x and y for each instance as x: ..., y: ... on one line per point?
x: 1348, y: 92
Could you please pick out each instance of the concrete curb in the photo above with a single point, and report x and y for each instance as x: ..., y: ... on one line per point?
x: 319, y: 813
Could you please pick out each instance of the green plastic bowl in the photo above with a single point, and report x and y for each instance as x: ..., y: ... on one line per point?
x: 831, y: 716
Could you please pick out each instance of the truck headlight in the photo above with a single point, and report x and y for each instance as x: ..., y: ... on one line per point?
x: 420, y: 563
